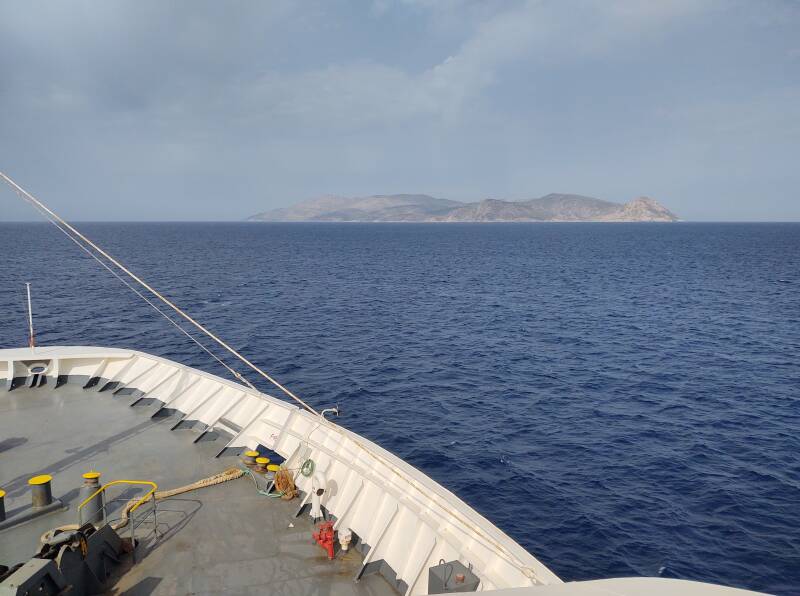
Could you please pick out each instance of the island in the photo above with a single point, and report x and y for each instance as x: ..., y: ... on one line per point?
x: 423, y: 208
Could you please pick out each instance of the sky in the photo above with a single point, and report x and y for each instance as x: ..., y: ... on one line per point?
x: 193, y: 110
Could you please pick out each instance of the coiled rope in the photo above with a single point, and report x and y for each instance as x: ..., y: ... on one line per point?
x: 282, y: 481
x: 284, y: 484
x: 78, y: 237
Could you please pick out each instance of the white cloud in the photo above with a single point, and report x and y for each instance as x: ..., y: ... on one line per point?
x: 363, y: 93
x: 339, y: 95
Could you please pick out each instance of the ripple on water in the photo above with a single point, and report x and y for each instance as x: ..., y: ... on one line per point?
x: 620, y: 399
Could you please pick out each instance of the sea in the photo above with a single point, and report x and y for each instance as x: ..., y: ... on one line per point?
x: 621, y: 399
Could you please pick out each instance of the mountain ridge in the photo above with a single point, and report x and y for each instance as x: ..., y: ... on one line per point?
x: 554, y: 207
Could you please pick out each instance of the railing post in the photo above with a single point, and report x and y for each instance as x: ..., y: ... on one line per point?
x: 155, y: 519
x: 132, y: 521
x: 105, y: 512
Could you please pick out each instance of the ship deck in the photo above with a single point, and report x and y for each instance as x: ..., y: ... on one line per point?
x: 221, y: 539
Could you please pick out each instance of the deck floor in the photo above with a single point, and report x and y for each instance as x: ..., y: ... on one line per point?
x: 225, y: 539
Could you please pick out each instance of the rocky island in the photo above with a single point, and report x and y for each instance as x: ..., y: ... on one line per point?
x: 424, y: 208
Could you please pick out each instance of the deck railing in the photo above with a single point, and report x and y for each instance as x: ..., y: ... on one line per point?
x: 132, y: 520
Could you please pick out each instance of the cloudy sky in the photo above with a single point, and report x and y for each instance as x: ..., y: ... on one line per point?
x: 216, y: 110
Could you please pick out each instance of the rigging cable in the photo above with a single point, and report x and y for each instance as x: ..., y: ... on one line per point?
x: 236, y: 374
x: 75, y: 235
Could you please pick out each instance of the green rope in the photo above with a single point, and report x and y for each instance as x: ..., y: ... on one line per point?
x: 275, y: 495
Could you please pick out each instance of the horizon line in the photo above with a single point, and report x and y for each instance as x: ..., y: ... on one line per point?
x: 249, y: 221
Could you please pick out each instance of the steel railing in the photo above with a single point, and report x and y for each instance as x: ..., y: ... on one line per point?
x: 150, y: 495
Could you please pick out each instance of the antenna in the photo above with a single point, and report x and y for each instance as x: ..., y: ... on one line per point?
x: 31, y: 341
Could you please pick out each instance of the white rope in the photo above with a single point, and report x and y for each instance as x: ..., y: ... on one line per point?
x: 47, y: 212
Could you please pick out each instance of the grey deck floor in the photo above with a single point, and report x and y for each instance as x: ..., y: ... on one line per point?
x: 225, y: 539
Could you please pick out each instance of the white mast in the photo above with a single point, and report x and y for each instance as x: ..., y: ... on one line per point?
x: 31, y: 342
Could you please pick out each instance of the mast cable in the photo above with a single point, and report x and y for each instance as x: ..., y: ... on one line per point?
x: 51, y: 215
x: 233, y: 372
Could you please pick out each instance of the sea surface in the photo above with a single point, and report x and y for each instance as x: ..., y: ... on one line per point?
x: 621, y: 399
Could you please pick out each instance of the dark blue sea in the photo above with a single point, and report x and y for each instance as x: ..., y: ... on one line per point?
x: 622, y: 399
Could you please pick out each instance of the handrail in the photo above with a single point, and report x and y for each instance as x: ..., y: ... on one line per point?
x: 147, y: 495
x: 150, y: 494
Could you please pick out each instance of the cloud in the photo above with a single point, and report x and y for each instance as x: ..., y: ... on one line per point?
x: 342, y: 96
x: 451, y: 96
x: 363, y: 92
x: 161, y: 69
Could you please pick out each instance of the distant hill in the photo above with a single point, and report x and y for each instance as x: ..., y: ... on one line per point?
x: 374, y: 208
x: 424, y: 208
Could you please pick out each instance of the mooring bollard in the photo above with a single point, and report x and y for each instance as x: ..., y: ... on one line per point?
x: 93, y: 509
x: 41, y: 493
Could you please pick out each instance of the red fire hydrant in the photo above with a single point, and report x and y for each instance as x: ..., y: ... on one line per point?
x: 324, y: 537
